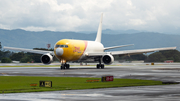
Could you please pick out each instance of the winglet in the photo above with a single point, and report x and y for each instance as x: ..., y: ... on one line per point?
x: 99, y: 32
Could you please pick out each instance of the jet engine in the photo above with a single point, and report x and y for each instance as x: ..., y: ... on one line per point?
x: 46, y: 58
x: 108, y: 59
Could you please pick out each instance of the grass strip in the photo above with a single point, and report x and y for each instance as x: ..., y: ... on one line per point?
x: 19, y: 84
x: 42, y: 65
x: 31, y: 66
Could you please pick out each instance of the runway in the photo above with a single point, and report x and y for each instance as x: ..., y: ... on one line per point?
x: 162, y: 72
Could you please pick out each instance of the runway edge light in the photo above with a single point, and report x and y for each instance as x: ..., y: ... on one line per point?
x: 45, y: 83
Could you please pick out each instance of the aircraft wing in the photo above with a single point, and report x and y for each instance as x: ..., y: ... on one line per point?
x: 117, y: 46
x: 29, y: 50
x: 130, y: 52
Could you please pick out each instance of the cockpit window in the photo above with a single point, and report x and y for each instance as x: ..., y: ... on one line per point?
x: 57, y: 46
x: 62, y: 46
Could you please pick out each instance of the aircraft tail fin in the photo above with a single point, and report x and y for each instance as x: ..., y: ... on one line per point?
x: 99, y: 32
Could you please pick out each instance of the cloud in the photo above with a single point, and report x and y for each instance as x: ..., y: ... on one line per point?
x: 83, y: 15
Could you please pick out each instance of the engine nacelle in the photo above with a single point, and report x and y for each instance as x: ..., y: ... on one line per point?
x: 108, y: 59
x: 46, y: 58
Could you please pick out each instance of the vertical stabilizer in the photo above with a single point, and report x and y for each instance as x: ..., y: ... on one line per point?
x: 99, y: 32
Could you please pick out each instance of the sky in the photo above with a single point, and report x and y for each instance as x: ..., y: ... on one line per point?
x: 161, y: 16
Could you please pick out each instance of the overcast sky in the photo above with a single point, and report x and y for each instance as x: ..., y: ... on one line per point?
x: 84, y: 15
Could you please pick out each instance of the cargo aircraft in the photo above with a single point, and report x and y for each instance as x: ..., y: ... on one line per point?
x: 67, y: 50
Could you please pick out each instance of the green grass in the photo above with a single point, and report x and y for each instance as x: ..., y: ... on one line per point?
x: 17, y: 84
x: 32, y: 66
x: 42, y: 65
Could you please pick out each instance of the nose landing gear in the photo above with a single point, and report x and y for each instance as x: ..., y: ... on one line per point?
x: 64, y: 65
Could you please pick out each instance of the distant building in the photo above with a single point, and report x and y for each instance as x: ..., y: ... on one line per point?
x: 168, y: 61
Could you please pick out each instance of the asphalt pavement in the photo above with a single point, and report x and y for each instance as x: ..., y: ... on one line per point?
x: 160, y: 71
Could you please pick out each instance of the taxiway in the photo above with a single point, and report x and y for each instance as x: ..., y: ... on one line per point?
x: 162, y: 72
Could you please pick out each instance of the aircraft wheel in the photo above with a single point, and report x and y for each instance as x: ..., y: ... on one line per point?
x: 102, y: 66
x: 98, y: 66
x: 67, y: 66
x: 63, y: 67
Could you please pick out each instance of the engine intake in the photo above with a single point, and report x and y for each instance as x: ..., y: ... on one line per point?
x: 108, y: 59
x: 46, y: 58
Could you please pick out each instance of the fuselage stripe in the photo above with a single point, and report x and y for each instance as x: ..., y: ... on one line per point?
x: 84, y: 48
x: 86, y: 43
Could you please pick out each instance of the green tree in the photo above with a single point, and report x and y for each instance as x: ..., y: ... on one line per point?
x: 132, y: 57
x: 1, y: 53
x: 7, y: 54
x: 35, y: 57
x: 177, y: 58
x: 156, y: 57
x: 6, y: 60
x: 26, y: 60
x: 0, y: 46
x: 17, y: 56
x: 138, y: 57
x: 172, y: 55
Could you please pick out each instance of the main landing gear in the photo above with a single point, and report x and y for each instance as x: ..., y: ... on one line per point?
x: 98, y: 66
x: 65, y: 66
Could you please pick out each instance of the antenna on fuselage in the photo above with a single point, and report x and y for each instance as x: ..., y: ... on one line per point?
x: 99, y: 32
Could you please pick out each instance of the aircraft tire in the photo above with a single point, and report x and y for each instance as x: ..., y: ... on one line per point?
x: 67, y: 66
x: 102, y: 66
x: 97, y: 66
x: 62, y: 67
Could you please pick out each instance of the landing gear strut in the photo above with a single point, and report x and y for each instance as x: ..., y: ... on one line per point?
x: 64, y: 65
x: 100, y: 65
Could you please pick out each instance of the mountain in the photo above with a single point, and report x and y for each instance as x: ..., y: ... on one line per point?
x: 130, y: 31
x: 141, y: 40
x: 109, y: 31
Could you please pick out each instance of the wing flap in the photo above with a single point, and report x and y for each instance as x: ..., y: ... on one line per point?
x: 29, y: 50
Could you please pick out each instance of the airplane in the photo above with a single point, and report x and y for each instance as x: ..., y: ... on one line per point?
x: 67, y: 50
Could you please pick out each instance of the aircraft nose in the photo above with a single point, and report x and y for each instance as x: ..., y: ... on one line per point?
x: 59, y: 51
